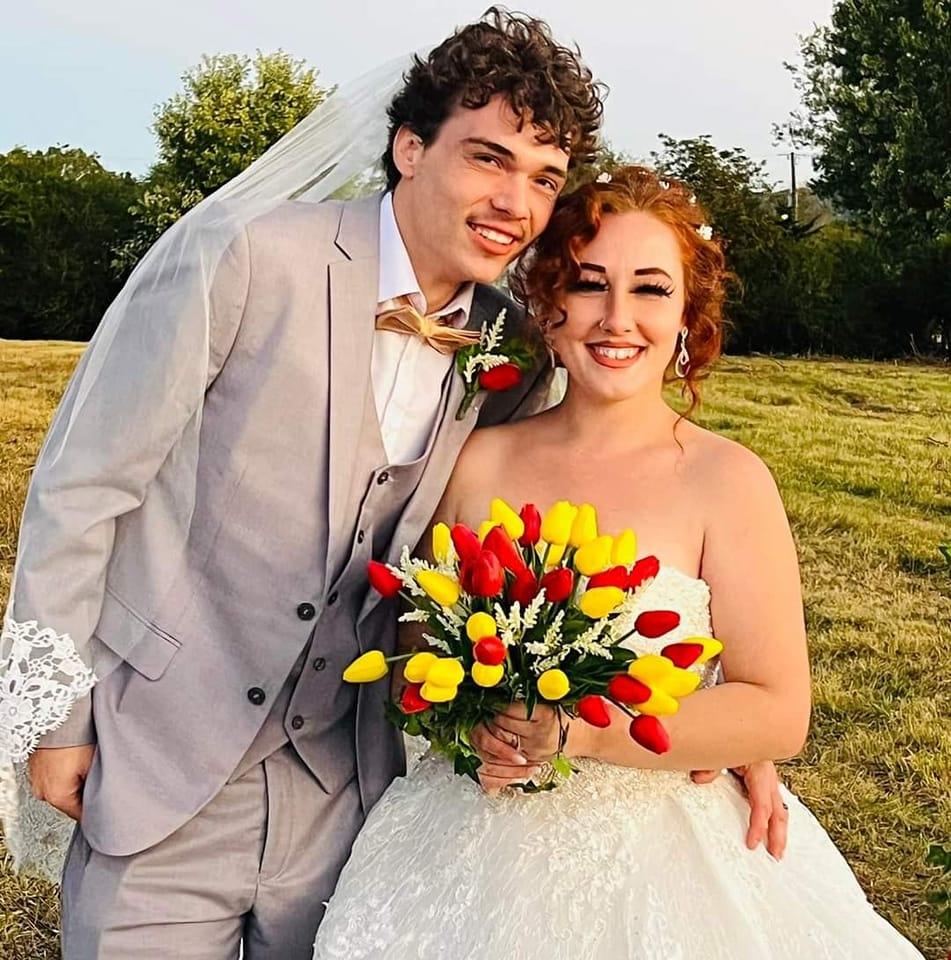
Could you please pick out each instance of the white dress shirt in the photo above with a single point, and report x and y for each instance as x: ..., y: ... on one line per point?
x: 407, y: 374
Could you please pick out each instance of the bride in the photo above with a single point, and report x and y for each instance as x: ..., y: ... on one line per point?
x: 628, y: 858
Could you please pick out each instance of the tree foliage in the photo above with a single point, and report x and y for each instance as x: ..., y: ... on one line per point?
x: 61, y: 212
x: 876, y: 91
x: 232, y: 108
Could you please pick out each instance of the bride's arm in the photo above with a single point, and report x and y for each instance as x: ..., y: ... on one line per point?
x: 761, y: 711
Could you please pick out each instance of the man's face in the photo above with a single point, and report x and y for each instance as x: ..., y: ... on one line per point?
x: 478, y: 195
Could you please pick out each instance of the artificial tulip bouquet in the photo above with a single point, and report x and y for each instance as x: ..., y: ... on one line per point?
x: 532, y: 610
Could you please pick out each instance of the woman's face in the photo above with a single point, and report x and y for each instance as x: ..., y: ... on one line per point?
x: 625, y: 311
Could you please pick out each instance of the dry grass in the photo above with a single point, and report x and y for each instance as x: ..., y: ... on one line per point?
x: 862, y: 453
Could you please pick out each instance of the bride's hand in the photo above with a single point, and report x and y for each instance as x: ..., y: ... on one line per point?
x: 539, y: 738
x: 769, y: 818
x: 502, y: 763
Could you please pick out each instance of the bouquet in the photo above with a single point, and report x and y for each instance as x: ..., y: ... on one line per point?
x: 532, y: 609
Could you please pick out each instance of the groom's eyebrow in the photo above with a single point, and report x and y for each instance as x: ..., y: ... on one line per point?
x: 508, y: 155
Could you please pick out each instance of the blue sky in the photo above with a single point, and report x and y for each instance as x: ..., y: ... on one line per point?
x: 89, y: 73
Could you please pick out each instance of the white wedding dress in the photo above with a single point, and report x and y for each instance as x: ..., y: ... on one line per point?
x: 615, y: 864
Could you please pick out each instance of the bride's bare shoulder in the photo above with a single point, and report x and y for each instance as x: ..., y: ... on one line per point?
x: 726, y: 471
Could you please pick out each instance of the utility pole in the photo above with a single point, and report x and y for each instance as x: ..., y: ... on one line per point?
x: 793, y: 192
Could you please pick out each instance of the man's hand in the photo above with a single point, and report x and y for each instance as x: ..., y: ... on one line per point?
x: 769, y: 818
x: 57, y: 776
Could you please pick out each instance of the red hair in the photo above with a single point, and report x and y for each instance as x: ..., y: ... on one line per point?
x: 541, y: 278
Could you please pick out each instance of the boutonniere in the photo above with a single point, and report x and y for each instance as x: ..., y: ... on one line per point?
x: 492, y: 364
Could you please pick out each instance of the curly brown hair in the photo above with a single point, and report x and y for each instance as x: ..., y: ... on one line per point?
x: 542, y: 276
x: 503, y: 53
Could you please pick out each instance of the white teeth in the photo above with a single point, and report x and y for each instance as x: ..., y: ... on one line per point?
x: 625, y: 353
x: 494, y: 235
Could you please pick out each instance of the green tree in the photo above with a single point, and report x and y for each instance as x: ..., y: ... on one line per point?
x: 231, y: 110
x: 739, y: 200
x: 61, y: 213
x: 876, y: 90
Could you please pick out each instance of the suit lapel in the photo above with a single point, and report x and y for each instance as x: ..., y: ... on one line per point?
x: 450, y: 437
x: 354, y: 286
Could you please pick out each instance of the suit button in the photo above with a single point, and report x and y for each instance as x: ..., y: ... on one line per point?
x: 257, y: 696
x: 332, y: 599
x: 297, y: 722
x: 361, y: 536
x: 383, y: 477
x: 320, y: 664
x: 306, y: 611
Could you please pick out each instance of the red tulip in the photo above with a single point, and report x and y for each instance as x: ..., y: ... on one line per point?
x: 412, y: 700
x: 592, y: 709
x: 645, y: 569
x: 615, y: 577
x: 655, y: 623
x: 650, y: 733
x: 533, y: 525
x: 466, y: 542
x: 524, y: 588
x: 628, y: 690
x: 490, y: 651
x: 682, y: 655
x: 382, y: 580
x: 558, y: 584
x: 503, y: 377
x: 483, y: 576
x: 500, y: 543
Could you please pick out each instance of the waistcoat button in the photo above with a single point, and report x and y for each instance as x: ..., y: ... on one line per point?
x: 297, y: 722
x: 320, y: 663
x: 257, y: 696
x: 332, y: 599
x: 306, y: 611
x: 383, y: 477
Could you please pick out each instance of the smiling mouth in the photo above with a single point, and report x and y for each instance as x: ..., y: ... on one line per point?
x: 494, y: 236
x: 615, y: 354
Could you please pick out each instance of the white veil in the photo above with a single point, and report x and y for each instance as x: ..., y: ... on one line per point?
x: 49, y: 656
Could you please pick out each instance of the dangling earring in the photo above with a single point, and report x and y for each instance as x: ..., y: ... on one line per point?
x: 682, y: 364
x: 552, y: 356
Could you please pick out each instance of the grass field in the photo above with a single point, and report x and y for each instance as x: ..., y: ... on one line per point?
x: 862, y: 453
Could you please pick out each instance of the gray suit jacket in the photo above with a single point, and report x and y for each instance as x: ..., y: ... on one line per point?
x: 292, y: 330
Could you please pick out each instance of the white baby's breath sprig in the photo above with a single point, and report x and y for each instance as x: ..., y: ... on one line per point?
x: 705, y: 231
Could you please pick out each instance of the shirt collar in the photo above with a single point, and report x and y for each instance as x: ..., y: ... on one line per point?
x: 397, y: 277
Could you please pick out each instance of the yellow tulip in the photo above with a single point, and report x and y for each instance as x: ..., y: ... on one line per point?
x: 442, y: 541
x: 600, y: 601
x: 680, y: 683
x: 436, y: 694
x: 557, y: 523
x: 553, y: 684
x: 485, y: 527
x: 445, y: 672
x: 595, y: 556
x: 369, y: 668
x: 660, y: 704
x: 585, y: 526
x: 624, y: 552
x: 417, y: 667
x: 503, y: 514
x: 480, y: 625
x: 444, y: 590
x: 555, y: 552
x: 711, y: 647
x: 651, y: 669
x: 486, y: 676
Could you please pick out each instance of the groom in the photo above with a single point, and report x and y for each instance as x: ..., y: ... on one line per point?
x: 221, y: 772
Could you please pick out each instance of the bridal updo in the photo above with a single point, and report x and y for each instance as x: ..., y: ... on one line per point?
x: 541, y: 277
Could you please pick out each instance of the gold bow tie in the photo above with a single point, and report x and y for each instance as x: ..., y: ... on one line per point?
x: 405, y: 318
